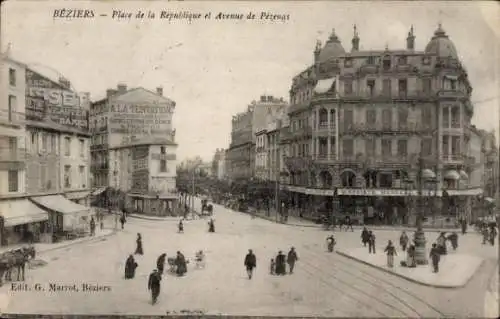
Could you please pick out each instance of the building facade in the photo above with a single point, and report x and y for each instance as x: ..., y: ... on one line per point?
x: 366, y: 124
x: 133, y: 129
x: 43, y: 192
x: 241, y: 152
x: 145, y: 171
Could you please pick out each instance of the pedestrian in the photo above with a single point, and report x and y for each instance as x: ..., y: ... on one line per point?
x: 292, y: 258
x: 464, y: 226
x: 365, y: 235
x: 441, y: 243
x: 272, y: 269
x: 130, y: 266
x: 123, y: 220
x: 280, y: 264
x: 180, y: 262
x: 371, y: 243
x: 211, y: 226
x: 160, y: 263
x: 493, y: 235
x: 330, y: 242
x: 403, y: 240
x: 101, y: 219
x: 348, y: 223
x: 435, y: 256
x: 250, y: 263
x: 410, y: 258
x: 92, y: 226
x: 181, y: 227
x: 453, y: 238
x: 154, y: 285
x: 138, y: 249
x: 391, y: 251
x: 485, y: 234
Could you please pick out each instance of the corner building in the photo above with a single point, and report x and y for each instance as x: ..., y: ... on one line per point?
x: 364, y: 123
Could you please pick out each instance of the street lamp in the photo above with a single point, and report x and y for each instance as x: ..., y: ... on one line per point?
x: 424, y: 175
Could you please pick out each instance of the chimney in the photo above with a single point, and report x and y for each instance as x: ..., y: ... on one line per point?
x: 262, y: 98
x: 122, y: 88
x: 110, y: 92
x: 159, y: 91
x: 269, y: 98
x: 410, y: 40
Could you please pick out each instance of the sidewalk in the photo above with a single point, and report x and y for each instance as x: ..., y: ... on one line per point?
x: 303, y: 222
x: 455, y: 269
x: 44, y: 247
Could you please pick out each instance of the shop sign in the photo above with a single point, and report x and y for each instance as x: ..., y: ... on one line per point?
x: 385, y: 192
x: 465, y: 192
x: 141, y: 119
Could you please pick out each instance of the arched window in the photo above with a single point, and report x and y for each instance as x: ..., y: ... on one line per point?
x: 326, y: 179
x: 348, y: 178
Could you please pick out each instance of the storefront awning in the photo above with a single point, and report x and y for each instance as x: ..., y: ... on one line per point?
x: 60, y: 204
x: 489, y: 200
x: 324, y: 86
x: 77, y: 195
x: 452, y: 175
x: 98, y: 191
x: 20, y: 212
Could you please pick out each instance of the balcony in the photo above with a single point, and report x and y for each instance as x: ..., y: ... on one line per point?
x: 13, y: 159
x: 99, y: 166
x: 323, y: 157
x: 325, y: 127
x: 99, y: 147
x: 452, y: 94
x: 362, y: 127
x: 166, y: 157
x: 453, y: 158
x: 369, y: 69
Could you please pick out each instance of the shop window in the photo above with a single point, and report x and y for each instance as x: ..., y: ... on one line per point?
x: 13, y: 181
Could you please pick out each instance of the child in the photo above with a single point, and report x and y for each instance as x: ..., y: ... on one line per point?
x: 273, y: 267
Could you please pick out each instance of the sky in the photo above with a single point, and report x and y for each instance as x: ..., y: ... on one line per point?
x: 213, y: 69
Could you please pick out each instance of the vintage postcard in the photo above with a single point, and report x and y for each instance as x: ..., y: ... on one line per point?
x: 249, y: 159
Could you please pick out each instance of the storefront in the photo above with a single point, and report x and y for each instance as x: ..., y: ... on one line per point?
x: 156, y: 205
x: 23, y: 221
x: 65, y: 215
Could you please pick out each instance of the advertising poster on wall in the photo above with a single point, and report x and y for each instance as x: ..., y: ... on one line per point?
x: 140, y: 119
x: 46, y: 99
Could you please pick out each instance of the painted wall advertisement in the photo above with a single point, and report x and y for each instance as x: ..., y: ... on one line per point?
x: 141, y: 119
x: 48, y: 99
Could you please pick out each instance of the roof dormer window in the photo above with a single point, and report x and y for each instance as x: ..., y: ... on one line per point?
x: 348, y: 62
x: 386, y: 64
x: 370, y: 60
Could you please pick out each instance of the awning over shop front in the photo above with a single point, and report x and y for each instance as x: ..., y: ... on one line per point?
x: 98, y: 191
x: 77, y: 195
x: 452, y: 175
x: 60, y: 204
x: 324, y: 85
x: 489, y: 200
x: 20, y: 212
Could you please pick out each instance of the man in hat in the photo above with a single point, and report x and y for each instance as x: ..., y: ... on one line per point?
x: 291, y: 259
x: 154, y: 285
x: 250, y: 263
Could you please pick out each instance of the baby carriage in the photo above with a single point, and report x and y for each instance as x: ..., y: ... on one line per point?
x: 200, y: 259
x: 172, y: 264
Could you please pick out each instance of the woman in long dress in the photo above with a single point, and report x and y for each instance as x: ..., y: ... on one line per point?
x: 130, y: 266
x: 138, y: 249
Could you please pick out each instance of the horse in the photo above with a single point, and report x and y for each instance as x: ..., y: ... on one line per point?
x: 18, y: 259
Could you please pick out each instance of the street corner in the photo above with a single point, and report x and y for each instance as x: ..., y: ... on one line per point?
x: 455, y: 269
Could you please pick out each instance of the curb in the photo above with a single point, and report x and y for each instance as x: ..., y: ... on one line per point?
x: 79, y: 242
x: 361, y: 227
x: 407, y: 278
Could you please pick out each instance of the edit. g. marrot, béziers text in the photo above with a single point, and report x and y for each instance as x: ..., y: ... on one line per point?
x: 55, y: 287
